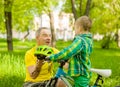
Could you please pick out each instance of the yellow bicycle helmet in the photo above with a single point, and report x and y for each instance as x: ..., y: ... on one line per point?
x: 43, y: 51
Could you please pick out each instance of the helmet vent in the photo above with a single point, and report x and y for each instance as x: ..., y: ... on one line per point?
x: 40, y: 49
x: 49, y: 53
x: 45, y: 49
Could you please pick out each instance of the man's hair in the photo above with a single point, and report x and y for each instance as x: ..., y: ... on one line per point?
x: 85, y: 22
x: 37, y: 33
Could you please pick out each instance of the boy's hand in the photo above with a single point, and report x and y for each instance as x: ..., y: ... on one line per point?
x: 66, y: 65
x: 40, y: 57
x: 47, y: 58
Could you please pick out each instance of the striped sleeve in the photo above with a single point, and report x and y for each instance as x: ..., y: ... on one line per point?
x: 68, y: 52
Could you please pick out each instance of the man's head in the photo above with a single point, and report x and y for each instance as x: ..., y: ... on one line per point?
x: 82, y: 24
x: 43, y: 36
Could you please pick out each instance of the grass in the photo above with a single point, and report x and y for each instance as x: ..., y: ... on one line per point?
x: 12, y: 67
x: 12, y: 70
x: 107, y: 59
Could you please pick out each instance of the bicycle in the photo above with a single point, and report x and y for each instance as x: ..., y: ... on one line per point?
x: 70, y: 82
x: 44, y: 51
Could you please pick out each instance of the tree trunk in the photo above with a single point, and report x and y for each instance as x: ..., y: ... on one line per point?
x: 88, y: 7
x: 8, y: 24
x: 73, y: 9
x: 26, y: 35
x: 80, y: 7
x: 52, y: 29
x: 119, y: 38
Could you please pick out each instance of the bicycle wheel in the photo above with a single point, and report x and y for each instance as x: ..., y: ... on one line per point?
x: 67, y: 80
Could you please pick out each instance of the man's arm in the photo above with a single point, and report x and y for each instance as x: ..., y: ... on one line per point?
x: 35, y: 69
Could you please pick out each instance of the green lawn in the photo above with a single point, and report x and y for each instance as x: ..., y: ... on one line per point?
x: 12, y: 67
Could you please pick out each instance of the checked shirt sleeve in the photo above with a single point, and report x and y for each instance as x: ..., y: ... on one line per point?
x: 68, y: 52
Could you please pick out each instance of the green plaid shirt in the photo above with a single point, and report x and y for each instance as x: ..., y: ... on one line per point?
x: 78, y: 54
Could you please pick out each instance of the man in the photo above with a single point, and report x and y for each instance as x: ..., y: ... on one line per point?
x: 78, y: 53
x: 38, y: 72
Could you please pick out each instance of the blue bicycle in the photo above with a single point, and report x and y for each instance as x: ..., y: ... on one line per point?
x: 43, y: 51
x: 70, y: 82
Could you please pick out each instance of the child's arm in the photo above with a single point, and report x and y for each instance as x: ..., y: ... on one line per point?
x: 68, y: 52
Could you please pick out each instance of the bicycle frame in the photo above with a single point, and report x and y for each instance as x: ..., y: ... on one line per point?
x: 64, y: 77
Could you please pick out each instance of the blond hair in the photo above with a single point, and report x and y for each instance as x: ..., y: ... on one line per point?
x: 84, y: 22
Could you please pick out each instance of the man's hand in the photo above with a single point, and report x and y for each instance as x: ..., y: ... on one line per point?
x: 39, y: 63
x: 37, y: 68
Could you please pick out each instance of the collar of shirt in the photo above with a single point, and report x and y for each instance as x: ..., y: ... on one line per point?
x: 89, y: 35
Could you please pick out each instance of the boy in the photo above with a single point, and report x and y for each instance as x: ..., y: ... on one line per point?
x: 78, y: 53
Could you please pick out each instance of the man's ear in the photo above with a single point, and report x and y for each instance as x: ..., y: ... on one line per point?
x: 36, y: 38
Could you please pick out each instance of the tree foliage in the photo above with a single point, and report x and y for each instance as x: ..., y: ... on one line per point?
x: 80, y: 6
x: 2, y: 26
x: 18, y: 15
x: 23, y: 13
x: 104, y: 13
x: 103, y: 17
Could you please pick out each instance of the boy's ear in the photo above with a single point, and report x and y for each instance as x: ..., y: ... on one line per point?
x: 80, y: 27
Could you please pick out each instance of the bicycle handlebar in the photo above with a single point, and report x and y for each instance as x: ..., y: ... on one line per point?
x: 43, y: 57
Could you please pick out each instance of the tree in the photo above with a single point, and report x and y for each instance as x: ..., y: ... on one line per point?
x: 8, y: 22
x: 24, y: 12
x: 104, y: 14
x: 105, y: 17
x: 73, y: 9
x: 17, y: 15
x: 2, y: 17
x: 48, y: 9
x: 52, y: 29
x: 77, y: 7
x: 87, y: 7
x: 116, y: 7
x: 20, y: 19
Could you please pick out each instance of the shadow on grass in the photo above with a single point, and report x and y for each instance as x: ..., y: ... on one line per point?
x: 11, y: 81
